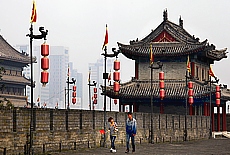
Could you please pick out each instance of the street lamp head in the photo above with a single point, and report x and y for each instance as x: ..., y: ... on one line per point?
x: 74, y: 80
x: 94, y: 83
x: 114, y: 49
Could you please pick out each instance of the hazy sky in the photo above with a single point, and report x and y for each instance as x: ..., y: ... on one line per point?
x: 80, y: 25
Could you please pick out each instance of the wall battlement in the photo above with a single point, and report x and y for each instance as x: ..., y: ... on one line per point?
x: 57, y: 130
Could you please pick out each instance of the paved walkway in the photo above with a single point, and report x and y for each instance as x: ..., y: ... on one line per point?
x: 199, y: 147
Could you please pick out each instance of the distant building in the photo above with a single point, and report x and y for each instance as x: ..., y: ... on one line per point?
x: 59, y: 58
x: 12, y: 83
x: 97, y: 70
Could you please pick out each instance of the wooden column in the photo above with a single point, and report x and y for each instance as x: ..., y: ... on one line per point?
x: 205, y: 109
x: 119, y: 107
x: 136, y: 70
x: 123, y: 108
x: 130, y: 107
x: 190, y: 109
x: 208, y: 109
x: 224, y: 126
x: 134, y: 107
x: 162, y: 108
x: 213, y: 120
x: 218, y: 118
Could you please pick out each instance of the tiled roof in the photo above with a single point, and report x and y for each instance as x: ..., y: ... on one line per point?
x: 14, y: 79
x: 183, y: 44
x: 161, y: 49
x: 7, y: 52
x: 178, y: 32
x: 174, y: 89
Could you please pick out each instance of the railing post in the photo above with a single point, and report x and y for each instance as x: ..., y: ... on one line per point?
x: 4, y: 151
x: 60, y: 147
x: 43, y: 148
x: 75, y: 145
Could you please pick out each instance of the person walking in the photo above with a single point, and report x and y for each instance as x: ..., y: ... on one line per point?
x: 112, y: 129
x: 131, y: 130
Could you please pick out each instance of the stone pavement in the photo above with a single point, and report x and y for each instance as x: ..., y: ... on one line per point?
x: 198, y: 147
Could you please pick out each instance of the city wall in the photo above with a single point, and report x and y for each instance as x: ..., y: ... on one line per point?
x: 59, y: 130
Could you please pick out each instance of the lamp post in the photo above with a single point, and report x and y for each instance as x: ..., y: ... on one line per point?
x: 68, y: 89
x: 187, y: 76
x: 105, y: 76
x: 210, y: 101
x: 90, y: 85
x: 160, y: 65
x: 32, y: 36
x: 110, y: 99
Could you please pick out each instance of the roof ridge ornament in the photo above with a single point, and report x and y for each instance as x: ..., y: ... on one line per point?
x: 165, y: 15
x: 180, y: 22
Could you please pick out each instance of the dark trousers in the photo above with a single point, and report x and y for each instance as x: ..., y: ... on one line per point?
x: 112, y: 139
x: 128, y: 136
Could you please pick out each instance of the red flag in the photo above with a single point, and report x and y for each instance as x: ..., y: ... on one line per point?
x: 68, y: 74
x: 34, y: 13
x: 188, y: 65
x: 89, y: 74
x: 151, y: 54
x: 211, y: 73
x: 106, y: 38
x: 109, y: 78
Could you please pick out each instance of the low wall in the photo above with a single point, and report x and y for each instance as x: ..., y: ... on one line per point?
x: 57, y: 130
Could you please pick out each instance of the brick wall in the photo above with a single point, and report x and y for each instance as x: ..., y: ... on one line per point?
x: 172, y: 70
x: 73, y: 129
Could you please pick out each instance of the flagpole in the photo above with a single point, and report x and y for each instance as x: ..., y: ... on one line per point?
x: 89, y: 92
x: 32, y: 90
x: 210, y: 108
x: 186, y: 106
x: 105, y: 49
x: 110, y: 99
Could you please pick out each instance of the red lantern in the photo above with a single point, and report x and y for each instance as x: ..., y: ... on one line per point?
x: 190, y: 100
x: 217, y: 102
x: 162, y: 84
x: 161, y: 75
x: 45, y: 63
x: 190, y: 92
x: 95, y: 90
x: 95, y: 96
x: 74, y: 94
x: 116, y: 76
x: 162, y: 93
x: 116, y: 87
x: 217, y: 88
x: 217, y: 95
x: 95, y: 101
x: 190, y: 85
x: 74, y: 100
x: 44, y: 49
x: 44, y: 77
x: 74, y: 88
x: 116, y: 65
x: 115, y: 101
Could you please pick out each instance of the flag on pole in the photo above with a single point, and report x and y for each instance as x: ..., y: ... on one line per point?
x: 188, y: 65
x: 89, y: 75
x: 34, y: 13
x: 68, y: 74
x: 151, y: 54
x: 211, y: 73
x: 106, y: 38
x: 109, y: 77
